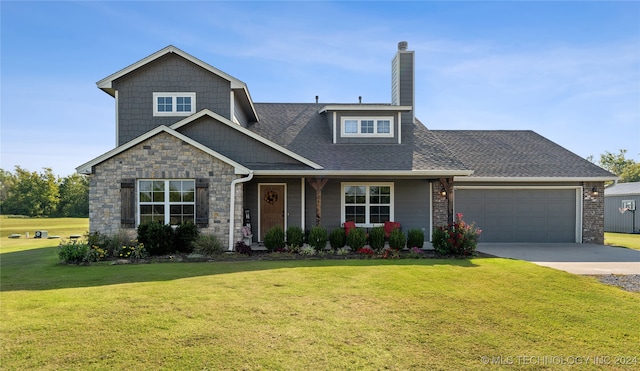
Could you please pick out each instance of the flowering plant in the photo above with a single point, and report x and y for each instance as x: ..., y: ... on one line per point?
x: 246, y: 231
x: 133, y: 252
x: 96, y: 253
x: 416, y: 253
x: 365, y: 251
x: 458, y: 239
x: 390, y: 253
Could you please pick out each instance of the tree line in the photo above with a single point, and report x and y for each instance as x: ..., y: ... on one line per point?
x: 626, y: 169
x: 32, y: 193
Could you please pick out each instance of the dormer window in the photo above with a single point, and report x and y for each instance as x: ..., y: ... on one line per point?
x: 174, y: 104
x: 367, y: 126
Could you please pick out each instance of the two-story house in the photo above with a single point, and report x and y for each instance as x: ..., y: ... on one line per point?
x: 193, y: 146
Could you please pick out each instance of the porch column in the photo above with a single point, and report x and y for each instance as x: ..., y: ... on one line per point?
x: 318, y: 184
x: 447, y: 184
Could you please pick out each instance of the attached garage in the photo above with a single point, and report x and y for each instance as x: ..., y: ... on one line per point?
x: 536, y: 214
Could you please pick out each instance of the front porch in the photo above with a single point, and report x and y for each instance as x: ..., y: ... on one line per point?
x: 330, y: 202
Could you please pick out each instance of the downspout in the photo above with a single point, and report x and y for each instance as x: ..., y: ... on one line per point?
x: 232, y: 213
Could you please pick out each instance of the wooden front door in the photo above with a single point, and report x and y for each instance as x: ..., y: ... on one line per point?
x: 271, y: 207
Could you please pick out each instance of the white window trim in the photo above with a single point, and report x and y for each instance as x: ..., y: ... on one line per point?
x: 174, y: 95
x: 367, y: 223
x: 167, y: 204
x: 375, y: 133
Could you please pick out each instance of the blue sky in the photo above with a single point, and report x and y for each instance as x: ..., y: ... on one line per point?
x: 569, y: 71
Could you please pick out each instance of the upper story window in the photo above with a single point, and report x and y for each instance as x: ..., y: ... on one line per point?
x: 367, y: 126
x: 174, y: 104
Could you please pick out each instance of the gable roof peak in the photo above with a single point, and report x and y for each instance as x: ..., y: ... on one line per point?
x: 237, y: 85
x: 106, y: 83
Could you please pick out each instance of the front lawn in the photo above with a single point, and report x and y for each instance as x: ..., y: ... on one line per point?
x: 61, y: 227
x: 628, y: 240
x: 313, y: 314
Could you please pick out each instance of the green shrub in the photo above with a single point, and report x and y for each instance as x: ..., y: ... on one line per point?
x: 156, y: 237
x: 207, y: 244
x: 274, y: 239
x: 415, y: 238
x: 295, y: 237
x: 184, y: 236
x: 74, y: 252
x: 376, y: 238
x: 397, y: 240
x: 459, y: 239
x: 356, y: 239
x: 97, y: 239
x: 337, y: 238
x: 116, y: 241
x: 318, y: 238
x: 110, y: 245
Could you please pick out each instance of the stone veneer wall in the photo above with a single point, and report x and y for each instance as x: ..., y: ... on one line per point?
x: 593, y: 213
x: 163, y: 157
x: 440, y: 205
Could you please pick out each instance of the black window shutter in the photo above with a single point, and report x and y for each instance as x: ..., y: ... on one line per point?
x: 202, y: 202
x: 128, y: 203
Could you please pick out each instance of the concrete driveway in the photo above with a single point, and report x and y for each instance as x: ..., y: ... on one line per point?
x: 570, y: 257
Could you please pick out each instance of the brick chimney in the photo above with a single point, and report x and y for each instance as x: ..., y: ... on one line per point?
x: 403, y: 81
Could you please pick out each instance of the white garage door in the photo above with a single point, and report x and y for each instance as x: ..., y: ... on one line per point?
x: 520, y: 215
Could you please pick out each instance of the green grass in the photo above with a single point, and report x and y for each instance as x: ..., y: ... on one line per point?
x: 315, y: 314
x: 631, y: 241
x: 63, y: 227
x: 407, y: 314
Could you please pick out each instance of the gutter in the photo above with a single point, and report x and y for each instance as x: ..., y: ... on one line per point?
x: 532, y: 179
x: 232, y: 214
x: 367, y: 173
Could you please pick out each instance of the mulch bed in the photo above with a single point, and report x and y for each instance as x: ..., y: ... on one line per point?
x: 275, y: 256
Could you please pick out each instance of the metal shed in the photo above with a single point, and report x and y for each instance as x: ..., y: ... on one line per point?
x: 620, y: 202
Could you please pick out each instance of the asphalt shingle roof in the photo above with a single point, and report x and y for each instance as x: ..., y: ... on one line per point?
x: 300, y: 128
x: 489, y: 153
x: 515, y: 153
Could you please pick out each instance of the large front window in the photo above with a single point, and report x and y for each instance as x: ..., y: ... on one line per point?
x: 166, y: 201
x: 367, y: 204
x: 174, y: 104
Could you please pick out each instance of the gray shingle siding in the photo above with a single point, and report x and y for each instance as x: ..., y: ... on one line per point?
x: 413, y: 205
x: 360, y: 114
x: 169, y: 73
x: 402, y: 81
x: 236, y: 145
x: 331, y: 201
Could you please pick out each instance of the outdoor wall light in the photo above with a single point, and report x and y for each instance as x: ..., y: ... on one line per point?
x: 594, y: 191
x: 443, y: 192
